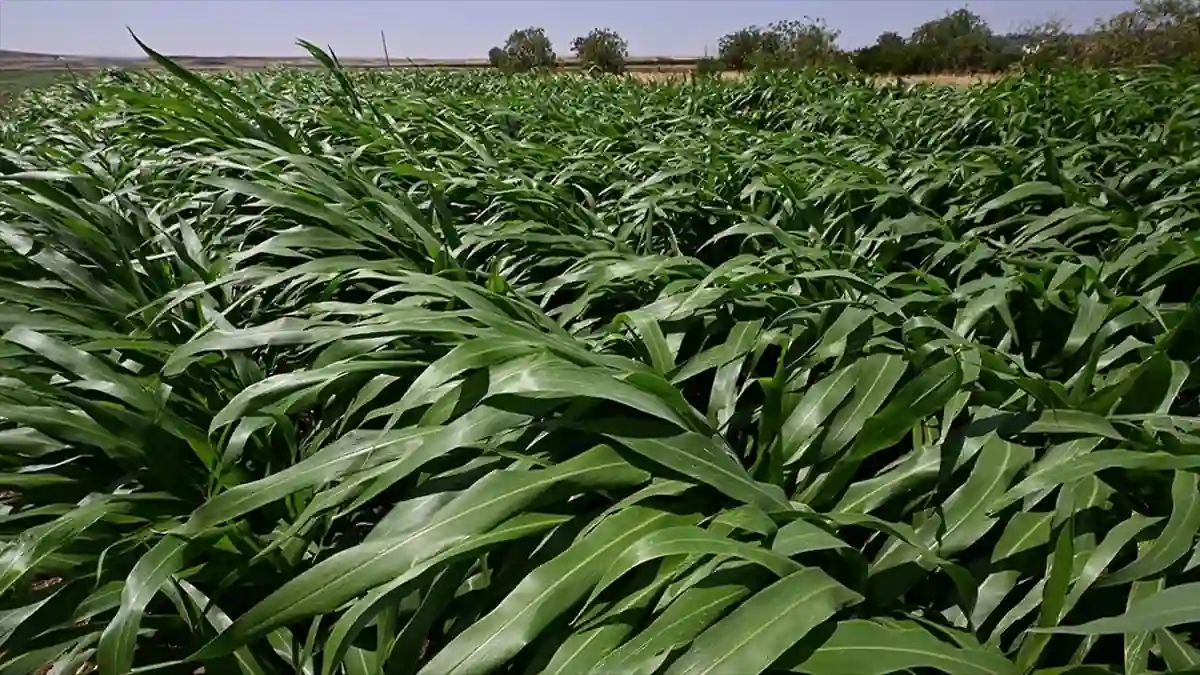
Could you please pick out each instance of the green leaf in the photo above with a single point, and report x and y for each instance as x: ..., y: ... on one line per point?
x: 818, y: 404
x: 1137, y: 645
x: 1023, y: 532
x: 358, y: 569
x: 875, y: 377
x: 1176, y: 651
x: 358, y: 450
x: 1019, y: 193
x: 118, y: 642
x: 762, y: 628
x: 35, y: 544
x: 545, y: 593
x: 686, y: 617
x: 689, y: 540
x: 916, y: 400
x: 965, y: 515
x: 1088, y: 321
x: 801, y: 536
x: 1177, y: 536
x: 1089, y: 464
x: 1072, y: 422
x: 355, y: 619
x: 1168, y: 607
x: 1054, y: 596
x: 867, y: 495
x: 700, y: 459
x: 1103, y: 555
x: 878, y: 648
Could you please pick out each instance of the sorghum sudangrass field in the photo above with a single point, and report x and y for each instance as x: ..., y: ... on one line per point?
x: 465, y: 374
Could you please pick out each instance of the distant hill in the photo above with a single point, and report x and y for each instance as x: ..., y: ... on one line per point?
x: 15, y: 60
x: 10, y: 55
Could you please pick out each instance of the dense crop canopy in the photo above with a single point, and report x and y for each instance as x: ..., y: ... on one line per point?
x: 425, y: 374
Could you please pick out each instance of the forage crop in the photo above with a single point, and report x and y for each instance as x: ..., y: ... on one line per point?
x: 457, y: 374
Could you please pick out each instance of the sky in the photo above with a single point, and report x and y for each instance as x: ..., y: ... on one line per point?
x: 454, y: 29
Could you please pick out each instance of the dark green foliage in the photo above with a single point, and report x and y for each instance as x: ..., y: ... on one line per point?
x: 739, y: 49
x: 781, y: 45
x: 601, y: 50
x: 1155, y: 31
x: 1164, y: 32
x: 959, y: 42
x: 497, y: 57
x: 890, y: 54
x: 525, y: 50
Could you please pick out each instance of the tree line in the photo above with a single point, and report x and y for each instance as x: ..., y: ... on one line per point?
x: 530, y: 49
x: 1163, y: 32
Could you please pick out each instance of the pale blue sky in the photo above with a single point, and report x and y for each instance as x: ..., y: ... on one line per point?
x: 467, y: 28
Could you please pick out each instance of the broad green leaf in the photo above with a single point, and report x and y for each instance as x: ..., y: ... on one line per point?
x: 355, y: 619
x: 1023, y: 532
x: 36, y: 544
x: 560, y: 380
x: 698, y: 458
x: 1054, y: 596
x: 818, y: 404
x: 1090, y: 464
x: 694, y: 610
x: 1103, y: 555
x: 867, y: 495
x: 878, y: 648
x: 875, y: 378
x: 1137, y: 645
x: 1016, y: 194
x: 1169, y: 607
x: 1176, y: 538
x: 801, y: 536
x: 966, y: 512
x: 765, y: 626
x: 1072, y: 422
x: 548, y: 591
x: 915, y: 401
x: 1176, y: 651
x: 357, y: 450
x: 356, y: 570
x: 689, y: 540
x: 118, y: 642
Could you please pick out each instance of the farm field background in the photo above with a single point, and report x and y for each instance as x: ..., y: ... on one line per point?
x: 357, y: 372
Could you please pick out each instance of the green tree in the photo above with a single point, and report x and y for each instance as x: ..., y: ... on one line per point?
x: 497, y: 57
x: 1048, y: 44
x: 601, y: 50
x: 889, y: 55
x: 960, y: 41
x: 528, y: 49
x: 740, y: 49
x: 783, y: 44
x: 1154, y: 31
x: 805, y: 43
